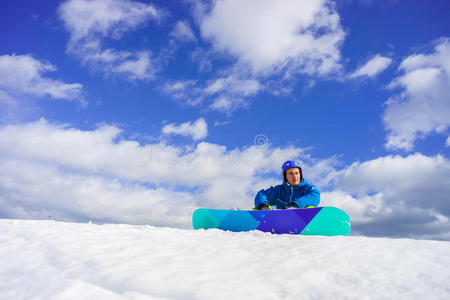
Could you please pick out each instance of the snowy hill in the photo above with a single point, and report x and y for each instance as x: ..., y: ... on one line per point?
x: 57, y: 260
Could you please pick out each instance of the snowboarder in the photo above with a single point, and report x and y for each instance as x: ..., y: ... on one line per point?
x: 295, y: 192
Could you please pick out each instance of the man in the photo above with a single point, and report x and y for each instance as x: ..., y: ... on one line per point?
x: 295, y: 192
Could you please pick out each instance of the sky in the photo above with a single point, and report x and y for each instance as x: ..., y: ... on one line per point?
x: 140, y: 112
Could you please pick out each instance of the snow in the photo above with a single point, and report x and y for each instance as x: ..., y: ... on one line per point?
x: 58, y: 260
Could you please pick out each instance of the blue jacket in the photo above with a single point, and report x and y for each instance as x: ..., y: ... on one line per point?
x: 303, y: 194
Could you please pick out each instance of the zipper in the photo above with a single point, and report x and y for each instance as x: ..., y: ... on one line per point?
x: 292, y: 192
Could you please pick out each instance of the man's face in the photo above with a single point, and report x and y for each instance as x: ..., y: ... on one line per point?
x: 293, y: 176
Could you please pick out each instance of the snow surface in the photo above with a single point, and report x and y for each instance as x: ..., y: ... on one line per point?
x: 58, y: 260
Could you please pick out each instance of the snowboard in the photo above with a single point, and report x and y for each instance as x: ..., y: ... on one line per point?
x: 325, y: 220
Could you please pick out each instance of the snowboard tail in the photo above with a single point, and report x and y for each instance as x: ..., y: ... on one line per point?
x: 326, y: 220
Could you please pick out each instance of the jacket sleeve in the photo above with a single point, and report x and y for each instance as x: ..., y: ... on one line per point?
x: 311, y: 197
x: 266, y: 196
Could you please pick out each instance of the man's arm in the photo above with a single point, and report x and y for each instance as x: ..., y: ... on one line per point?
x: 267, y: 197
x: 311, y: 198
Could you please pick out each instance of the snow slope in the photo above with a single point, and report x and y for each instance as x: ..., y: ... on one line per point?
x: 57, y: 260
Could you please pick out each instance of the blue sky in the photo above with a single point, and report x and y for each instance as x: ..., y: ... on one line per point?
x: 145, y: 110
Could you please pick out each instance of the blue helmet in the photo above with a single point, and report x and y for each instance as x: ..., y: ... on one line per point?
x: 291, y: 164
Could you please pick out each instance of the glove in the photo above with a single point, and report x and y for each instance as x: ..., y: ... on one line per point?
x: 264, y: 206
x: 291, y: 206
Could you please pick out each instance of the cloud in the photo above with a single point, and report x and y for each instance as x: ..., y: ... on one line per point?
x: 89, y: 22
x: 423, y: 106
x: 227, y: 104
x: 68, y: 195
x: 230, y: 93
x: 373, y: 67
x: 447, y: 143
x: 233, y: 85
x: 396, y: 196
x: 182, y: 32
x: 138, y: 69
x: 6, y: 99
x: 23, y: 75
x: 197, y: 130
x: 266, y: 45
x: 185, y: 91
x: 273, y: 36
x: 86, y: 18
x: 224, y: 94
x: 99, y: 175
x: 48, y: 169
x: 222, y: 123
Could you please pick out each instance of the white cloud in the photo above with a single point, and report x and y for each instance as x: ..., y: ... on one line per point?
x: 448, y: 142
x: 205, y: 172
x: 234, y: 86
x: 272, y: 36
x: 67, y: 195
x: 186, y: 91
x: 231, y: 93
x: 227, y: 104
x: 183, y: 32
x: 197, y: 130
x: 405, y: 195
x: 177, y: 88
x: 85, y: 18
x: 424, y: 105
x: 223, y: 123
x: 373, y: 67
x: 225, y: 94
x: 48, y: 169
x: 23, y: 75
x: 91, y: 21
x: 139, y: 69
x: 272, y: 42
x: 6, y: 99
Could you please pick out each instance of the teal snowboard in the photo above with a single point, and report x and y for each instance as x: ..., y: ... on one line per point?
x: 305, y: 221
